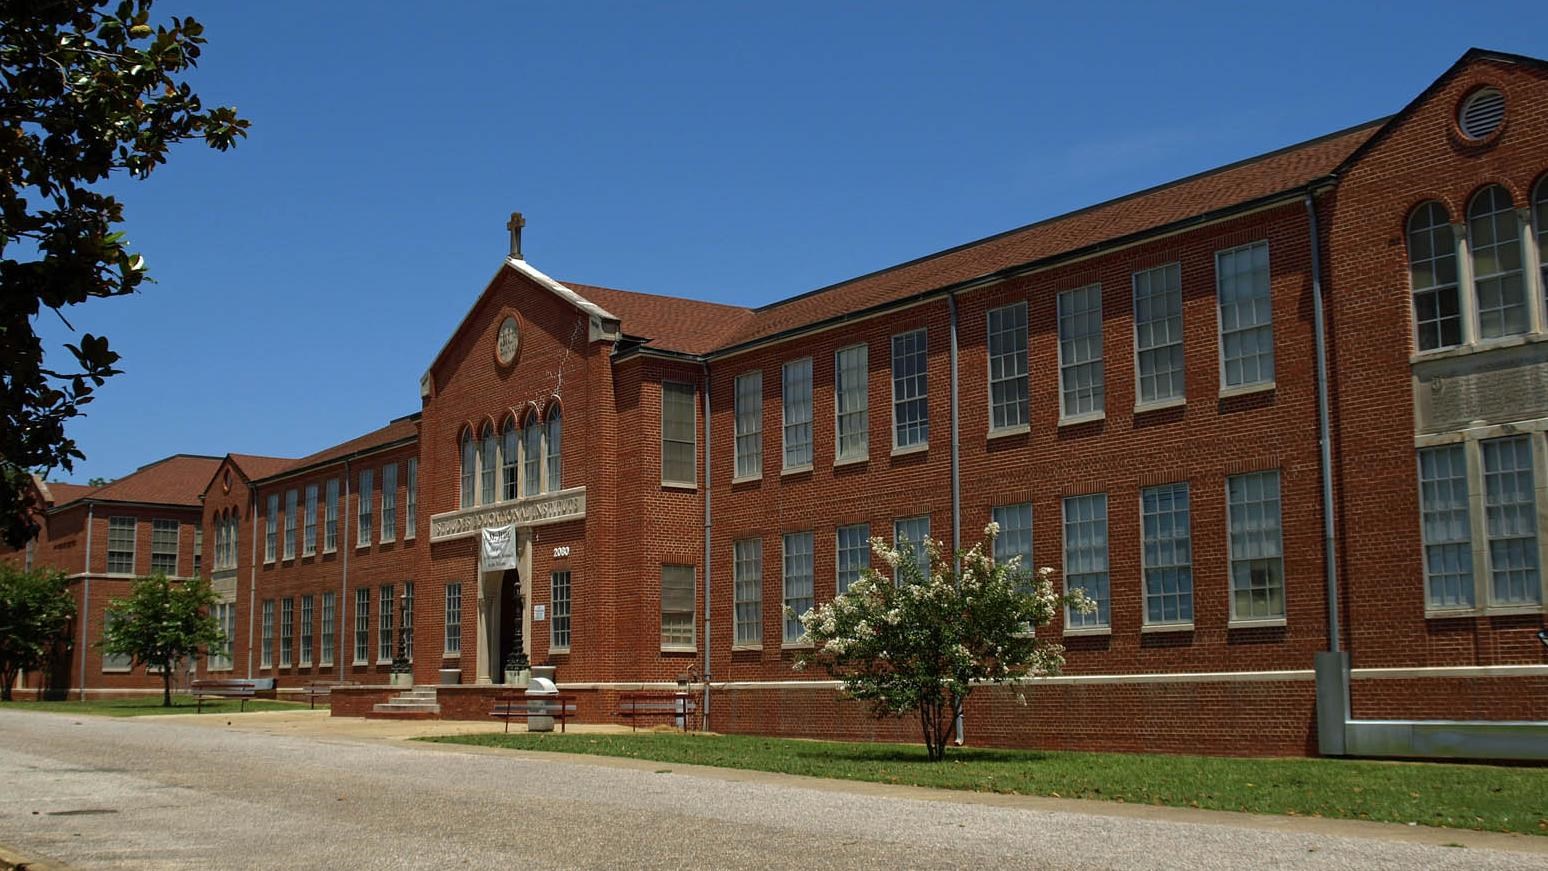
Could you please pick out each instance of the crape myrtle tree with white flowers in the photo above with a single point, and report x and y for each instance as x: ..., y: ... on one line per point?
x: 921, y: 644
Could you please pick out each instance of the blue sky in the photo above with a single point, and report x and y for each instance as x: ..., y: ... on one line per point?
x: 734, y: 152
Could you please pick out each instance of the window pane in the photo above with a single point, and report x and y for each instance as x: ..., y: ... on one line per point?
x: 1494, y: 237
x: 1080, y: 351
x: 798, y: 582
x: 1015, y: 540
x: 1008, y: 366
x: 747, y: 574
x: 1257, y: 567
x: 678, y: 422
x: 910, y: 409
x: 560, y: 601
x: 1158, y: 332
x: 853, y: 554
x: 1167, y: 554
x: 1246, y: 315
x: 1510, y: 521
x: 749, y: 425
x: 796, y: 392
x: 1446, y: 527
x: 1085, y: 556
x: 850, y: 397
x: 1432, y: 268
x: 677, y: 599
x: 908, y: 536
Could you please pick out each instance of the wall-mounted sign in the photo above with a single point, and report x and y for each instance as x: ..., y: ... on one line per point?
x: 561, y: 552
x: 539, y: 612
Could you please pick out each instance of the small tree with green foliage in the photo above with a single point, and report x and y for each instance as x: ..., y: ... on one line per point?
x: 922, y: 644
x: 35, y: 613
x: 162, y: 622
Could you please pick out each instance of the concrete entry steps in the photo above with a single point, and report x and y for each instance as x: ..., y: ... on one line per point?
x: 416, y: 704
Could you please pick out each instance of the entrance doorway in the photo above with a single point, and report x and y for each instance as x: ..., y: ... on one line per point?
x: 508, y: 631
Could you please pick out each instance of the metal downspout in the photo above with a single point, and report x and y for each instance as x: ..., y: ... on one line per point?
x: 1323, y: 425
x: 91, y: 510
x: 704, y: 710
x: 956, y: 470
x: 252, y: 582
x: 344, y: 608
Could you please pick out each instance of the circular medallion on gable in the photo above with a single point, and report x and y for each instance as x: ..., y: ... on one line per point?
x: 225, y: 482
x: 507, y: 341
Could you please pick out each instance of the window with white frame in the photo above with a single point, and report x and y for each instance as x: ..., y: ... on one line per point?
x: 271, y: 530
x: 309, y: 532
x: 749, y: 425
x: 1008, y: 367
x: 1015, y: 539
x: 532, y: 457
x: 163, y: 557
x: 1540, y: 221
x: 362, y: 625
x: 796, y: 397
x: 198, y: 551
x: 909, y: 535
x: 852, y: 426
x: 852, y: 556
x: 1085, y: 558
x: 266, y: 650
x: 363, y: 504
x: 389, y: 529
x: 677, y: 434
x: 1432, y: 271
x: 1246, y: 315
x: 287, y: 632
x: 220, y: 541
x: 488, y: 464
x: 1166, y: 553
x: 407, y: 617
x: 1257, y: 557
x: 677, y: 625
x: 799, y: 590
x: 329, y: 620
x: 1446, y: 527
x: 469, y: 470
x: 747, y: 588
x: 453, y: 643
x: 553, y: 429
x: 220, y: 652
x: 1158, y: 333
x: 307, y: 616
x: 291, y: 497
x: 1494, y: 237
x: 1081, y: 384
x: 115, y: 661
x: 1510, y: 521
x: 510, y: 456
x: 384, y: 626
x: 559, y: 602
x: 120, y: 548
x: 410, y: 497
x: 910, y: 390
x: 331, y: 516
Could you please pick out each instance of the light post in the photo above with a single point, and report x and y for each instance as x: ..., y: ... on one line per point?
x: 517, y: 661
x: 402, y: 672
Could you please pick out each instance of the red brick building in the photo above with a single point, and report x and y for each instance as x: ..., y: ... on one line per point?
x: 1283, y: 419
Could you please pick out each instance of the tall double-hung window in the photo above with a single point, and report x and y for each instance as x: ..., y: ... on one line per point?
x: 796, y: 397
x: 488, y: 460
x: 410, y: 496
x: 852, y: 427
x: 1167, y: 554
x: 910, y: 391
x: 553, y: 429
x: 747, y: 589
x: 677, y: 598
x: 469, y: 470
x: 307, y: 616
x: 749, y: 425
x: 1257, y: 553
x: 384, y: 625
x: 1158, y: 334
x: 362, y: 625
x: 1446, y: 525
x: 1008, y: 367
x: 120, y: 549
x: 331, y: 516
x: 1510, y: 521
x: 909, y: 535
x: 453, y: 620
x: 1081, y: 384
x: 367, y: 496
x: 287, y: 632
x: 309, y: 532
x: 1432, y: 270
x: 678, y: 426
x: 1246, y: 316
x: 389, y: 502
x: 852, y: 555
x: 510, y: 458
x: 266, y: 650
x: 1085, y: 558
x: 330, y: 617
x: 1494, y: 237
x: 1015, y: 538
x: 532, y: 457
x: 271, y: 530
x: 291, y: 497
x: 797, y: 566
x: 164, y: 535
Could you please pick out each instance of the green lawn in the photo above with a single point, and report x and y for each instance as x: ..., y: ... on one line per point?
x: 147, y: 706
x: 1486, y: 797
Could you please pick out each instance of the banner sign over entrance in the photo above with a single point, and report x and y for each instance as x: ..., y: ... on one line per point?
x: 558, y: 507
x: 497, y: 549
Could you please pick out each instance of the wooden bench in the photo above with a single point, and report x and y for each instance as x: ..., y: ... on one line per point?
x: 645, y: 705
x: 516, y: 705
x: 241, y: 689
x: 320, y: 689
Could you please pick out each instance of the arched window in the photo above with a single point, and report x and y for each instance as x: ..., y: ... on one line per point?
x: 532, y: 457
x: 1494, y: 234
x: 1432, y: 270
x: 469, y: 460
x: 551, y: 444
x: 1540, y: 221
x: 508, y: 458
x: 486, y: 470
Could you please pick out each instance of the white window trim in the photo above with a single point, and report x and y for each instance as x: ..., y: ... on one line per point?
x: 865, y: 453
x: 1140, y: 406
x: 811, y: 447
x: 892, y: 381
x: 693, y: 483
x: 736, y: 412
x: 1228, y: 391
x: 1146, y: 624
x: 1065, y: 418
x: 1016, y: 428
x: 1233, y: 621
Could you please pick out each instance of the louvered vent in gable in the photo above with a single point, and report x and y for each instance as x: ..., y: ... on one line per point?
x: 1481, y: 113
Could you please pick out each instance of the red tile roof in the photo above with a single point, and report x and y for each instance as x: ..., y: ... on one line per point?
x: 61, y: 492
x: 177, y: 480
x: 255, y: 466
x: 669, y: 322
x: 398, y: 430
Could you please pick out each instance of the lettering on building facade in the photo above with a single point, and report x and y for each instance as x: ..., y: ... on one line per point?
x: 532, y: 511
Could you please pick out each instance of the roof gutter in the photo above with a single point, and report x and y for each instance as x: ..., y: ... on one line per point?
x: 334, y: 461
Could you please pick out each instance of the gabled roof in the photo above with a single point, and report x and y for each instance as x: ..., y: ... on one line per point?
x: 61, y: 492
x: 403, y: 429
x: 177, y: 480
x: 670, y: 323
x: 1235, y: 185
x: 254, y: 466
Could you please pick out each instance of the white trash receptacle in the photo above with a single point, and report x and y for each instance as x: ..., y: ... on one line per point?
x: 541, y: 693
